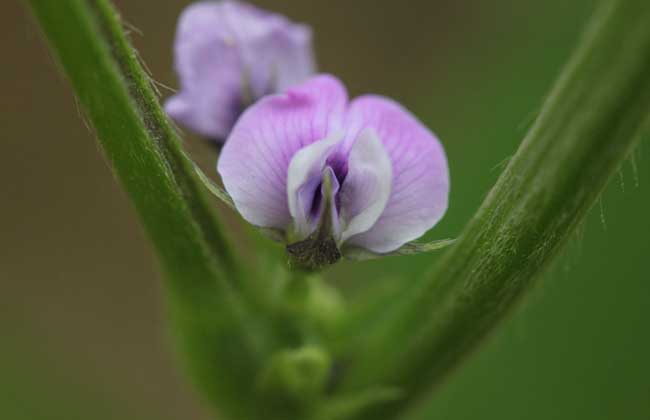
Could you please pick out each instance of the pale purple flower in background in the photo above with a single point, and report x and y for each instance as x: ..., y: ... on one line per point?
x: 388, y: 173
x: 227, y: 55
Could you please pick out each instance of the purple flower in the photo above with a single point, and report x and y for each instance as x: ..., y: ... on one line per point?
x: 229, y: 54
x: 384, y: 173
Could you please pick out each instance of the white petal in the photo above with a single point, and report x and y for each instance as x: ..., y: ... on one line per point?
x: 329, y: 195
x: 367, y: 186
x: 304, y: 176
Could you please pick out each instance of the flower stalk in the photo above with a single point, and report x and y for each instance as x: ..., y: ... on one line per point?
x: 226, y: 341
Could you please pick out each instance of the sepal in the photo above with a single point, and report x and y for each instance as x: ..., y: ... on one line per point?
x: 410, y: 248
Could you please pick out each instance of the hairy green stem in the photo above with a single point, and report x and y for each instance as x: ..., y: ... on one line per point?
x: 164, y: 138
x: 594, y: 116
x: 224, y: 338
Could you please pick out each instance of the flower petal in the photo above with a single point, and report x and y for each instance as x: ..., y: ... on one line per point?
x: 367, y: 186
x: 305, y: 175
x: 294, y: 61
x: 280, y: 58
x: 254, y: 162
x: 228, y: 53
x: 210, y: 72
x: 420, y: 187
x: 329, y: 189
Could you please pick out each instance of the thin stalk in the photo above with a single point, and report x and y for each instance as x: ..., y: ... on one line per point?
x: 593, y: 118
x: 225, y: 339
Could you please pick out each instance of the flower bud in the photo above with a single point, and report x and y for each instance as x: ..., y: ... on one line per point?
x: 295, y: 378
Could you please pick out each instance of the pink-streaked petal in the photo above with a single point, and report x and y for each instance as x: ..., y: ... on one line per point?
x: 209, y: 68
x: 254, y: 162
x: 367, y: 186
x: 420, y: 188
x: 225, y: 52
x: 304, y: 177
x: 280, y: 59
x: 276, y: 52
x: 295, y: 63
x: 210, y: 74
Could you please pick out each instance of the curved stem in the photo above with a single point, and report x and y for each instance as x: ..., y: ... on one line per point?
x: 225, y: 339
x: 593, y: 118
x: 163, y: 137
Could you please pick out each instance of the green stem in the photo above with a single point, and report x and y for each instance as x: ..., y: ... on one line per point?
x: 593, y: 118
x: 226, y: 341
x: 164, y: 138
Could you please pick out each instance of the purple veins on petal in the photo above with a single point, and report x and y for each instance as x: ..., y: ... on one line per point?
x: 228, y: 54
x: 388, y: 173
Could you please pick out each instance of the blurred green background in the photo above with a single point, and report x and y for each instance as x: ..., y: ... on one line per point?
x: 82, y: 315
